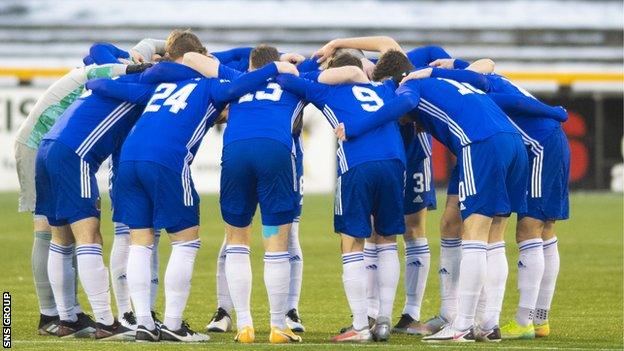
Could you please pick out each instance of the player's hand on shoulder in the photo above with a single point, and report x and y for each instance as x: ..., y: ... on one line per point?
x: 292, y: 57
x: 420, y: 74
x: 340, y: 132
x: 286, y: 67
x: 326, y: 51
x: 448, y: 63
x: 136, y: 56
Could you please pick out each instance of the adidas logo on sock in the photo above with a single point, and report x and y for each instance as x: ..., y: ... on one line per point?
x: 521, y: 265
x: 372, y: 266
x: 416, y: 263
x: 443, y: 271
x: 122, y: 277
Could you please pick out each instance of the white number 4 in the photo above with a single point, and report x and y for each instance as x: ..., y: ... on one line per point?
x: 176, y: 100
x: 463, y: 88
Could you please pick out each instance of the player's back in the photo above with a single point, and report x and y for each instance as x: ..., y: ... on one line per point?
x: 92, y: 124
x: 266, y: 113
x: 458, y: 114
x: 348, y: 102
x: 536, y: 127
x: 173, y: 123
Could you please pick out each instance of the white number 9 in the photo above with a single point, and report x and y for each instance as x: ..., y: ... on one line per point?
x: 372, y: 101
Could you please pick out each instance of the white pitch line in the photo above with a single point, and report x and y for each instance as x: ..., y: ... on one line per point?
x: 304, y: 344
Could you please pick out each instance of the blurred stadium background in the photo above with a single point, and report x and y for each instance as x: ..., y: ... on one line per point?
x: 566, y: 52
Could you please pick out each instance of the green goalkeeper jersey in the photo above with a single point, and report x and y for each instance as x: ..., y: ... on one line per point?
x: 57, y: 98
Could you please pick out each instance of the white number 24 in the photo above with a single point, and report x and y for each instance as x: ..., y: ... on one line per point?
x: 176, y: 100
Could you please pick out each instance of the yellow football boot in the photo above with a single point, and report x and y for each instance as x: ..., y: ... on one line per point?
x: 283, y: 336
x: 542, y: 330
x: 513, y: 330
x: 246, y: 335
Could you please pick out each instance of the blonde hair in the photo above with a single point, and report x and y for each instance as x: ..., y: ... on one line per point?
x: 180, y: 42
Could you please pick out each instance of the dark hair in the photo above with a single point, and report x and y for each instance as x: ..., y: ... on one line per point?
x: 345, y: 59
x: 393, y: 64
x: 179, y: 42
x: 262, y: 55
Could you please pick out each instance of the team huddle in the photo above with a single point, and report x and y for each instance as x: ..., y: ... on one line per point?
x: 148, y: 109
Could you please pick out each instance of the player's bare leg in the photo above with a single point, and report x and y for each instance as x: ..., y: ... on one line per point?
x: 491, y: 296
x: 549, y: 280
x: 530, y: 271
x: 417, y: 262
x: 354, y: 280
x: 277, y: 280
x: 450, y: 258
x: 139, y: 282
x: 185, y: 244
x: 238, y: 273
x: 472, y: 277
x: 388, y: 274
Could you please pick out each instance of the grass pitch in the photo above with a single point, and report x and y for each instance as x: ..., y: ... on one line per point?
x: 586, y: 314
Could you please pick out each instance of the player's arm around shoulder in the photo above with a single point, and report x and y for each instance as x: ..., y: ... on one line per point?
x: 343, y: 75
x: 208, y: 66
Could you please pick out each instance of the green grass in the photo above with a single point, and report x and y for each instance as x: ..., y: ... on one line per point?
x: 587, y: 310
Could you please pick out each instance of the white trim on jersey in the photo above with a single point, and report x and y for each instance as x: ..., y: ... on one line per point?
x: 85, y: 180
x: 338, y: 197
x: 296, y: 112
x: 436, y: 112
x: 106, y: 124
x: 424, y: 143
x: 468, y: 173
x: 197, y: 135
x: 331, y: 116
x: 342, y: 158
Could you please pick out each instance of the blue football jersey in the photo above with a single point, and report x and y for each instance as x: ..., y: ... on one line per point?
x: 534, y: 127
x: 534, y: 119
x: 266, y: 113
x: 97, y: 123
x: 346, y: 102
x: 174, y: 122
x: 457, y: 114
x: 94, y: 125
x: 424, y: 55
x: 179, y: 111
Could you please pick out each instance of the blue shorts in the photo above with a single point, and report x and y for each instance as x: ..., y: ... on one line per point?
x: 453, y: 182
x: 66, y: 187
x: 374, y: 189
x: 419, y: 188
x: 493, y: 176
x: 547, y: 198
x: 258, y: 171
x: 150, y: 195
